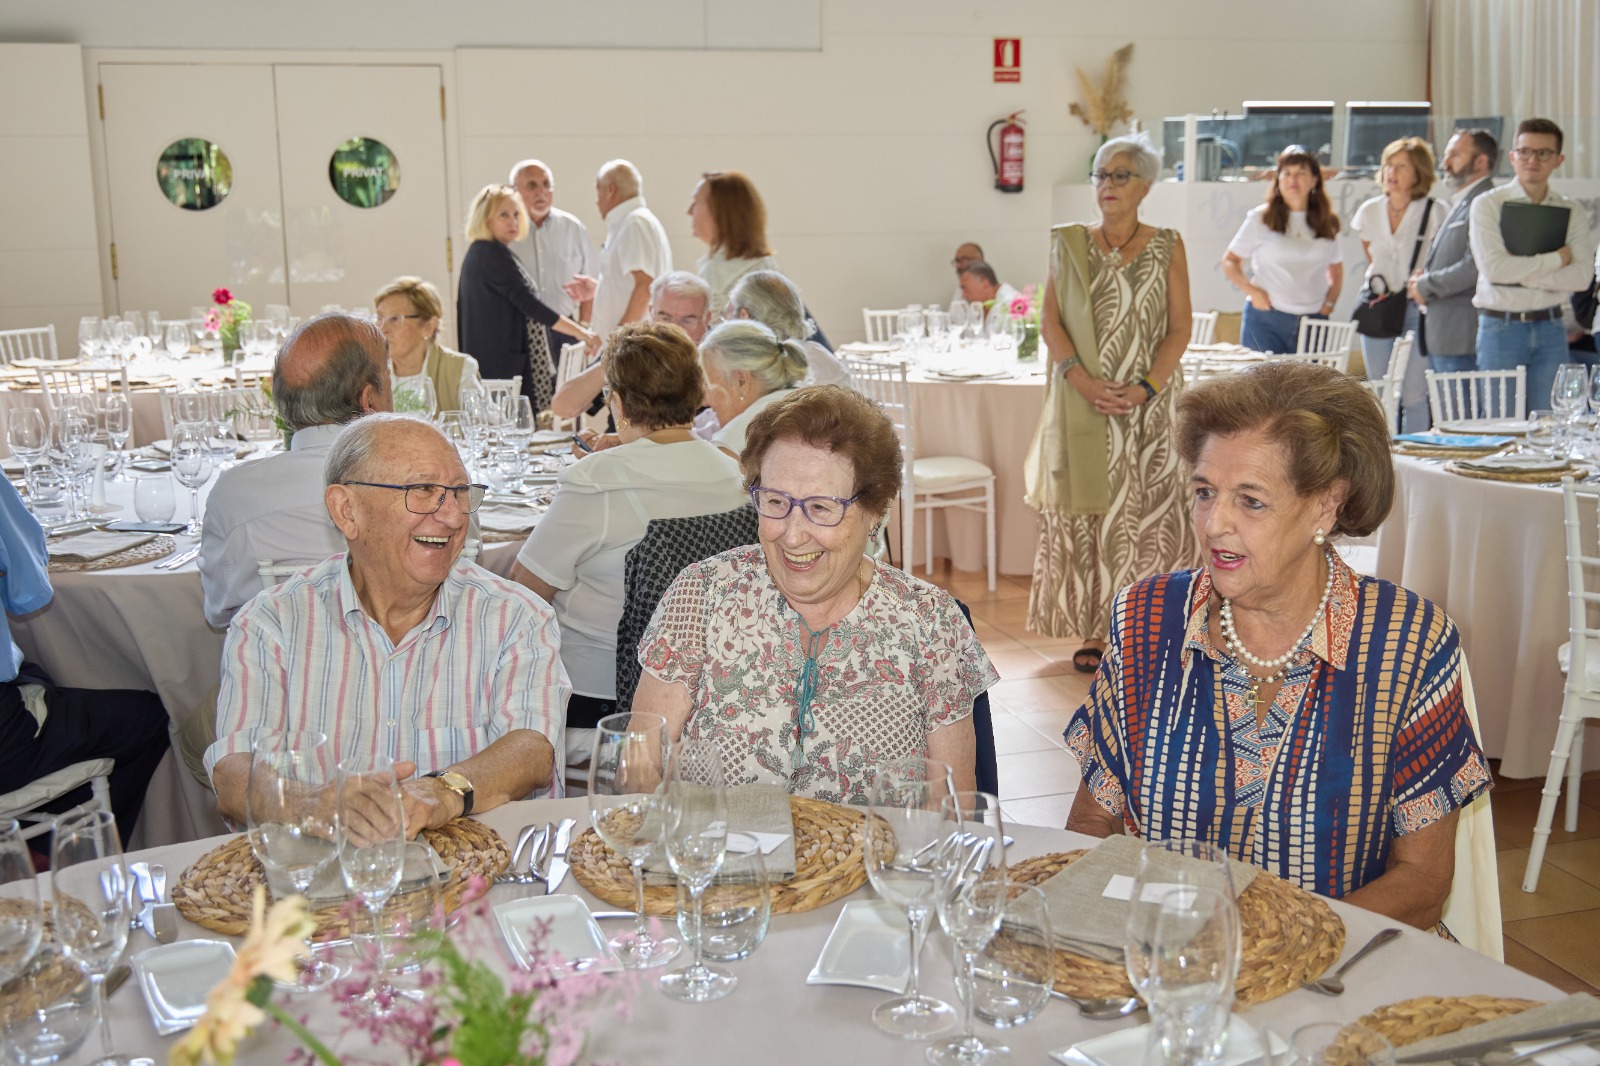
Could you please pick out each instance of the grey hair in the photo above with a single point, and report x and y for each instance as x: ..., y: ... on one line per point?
x: 356, y: 357
x: 524, y: 165
x: 771, y: 299
x: 1140, y: 150
x: 680, y: 283
x: 755, y: 349
x: 624, y: 177
x: 358, y: 446
x: 982, y: 271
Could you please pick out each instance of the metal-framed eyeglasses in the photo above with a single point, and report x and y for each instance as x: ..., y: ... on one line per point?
x: 426, y: 498
x: 819, y: 510
x: 1119, y: 178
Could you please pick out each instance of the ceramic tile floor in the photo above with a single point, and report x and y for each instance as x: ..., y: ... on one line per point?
x: 1553, y: 934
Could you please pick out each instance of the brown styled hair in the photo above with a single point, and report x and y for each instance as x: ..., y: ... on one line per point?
x: 654, y: 369
x: 1541, y: 125
x: 1329, y: 427
x: 1319, y: 211
x: 1420, y: 153
x: 834, y: 419
x: 739, y: 214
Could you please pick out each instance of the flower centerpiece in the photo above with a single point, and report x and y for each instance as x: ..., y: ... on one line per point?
x: 228, y: 317
x: 1025, y: 308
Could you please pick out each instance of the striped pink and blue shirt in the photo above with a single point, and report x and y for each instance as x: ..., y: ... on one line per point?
x: 305, y: 655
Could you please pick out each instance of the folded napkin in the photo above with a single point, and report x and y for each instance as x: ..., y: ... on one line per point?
x: 752, y: 809
x: 1087, y: 922
x: 868, y: 347
x: 1573, y: 1009
x: 970, y: 375
x: 1453, y: 440
x: 87, y: 547
x: 505, y: 519
x: 1517, y: 463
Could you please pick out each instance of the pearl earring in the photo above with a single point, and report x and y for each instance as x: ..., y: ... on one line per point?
x: 1320, y: 539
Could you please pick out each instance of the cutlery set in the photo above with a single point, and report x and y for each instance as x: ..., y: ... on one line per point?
x: 153, y: 913
x: 179, y: 559
x: 540, y: 856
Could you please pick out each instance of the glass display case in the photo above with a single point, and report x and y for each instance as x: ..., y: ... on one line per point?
x: 1371, y: 126
x: 1270, y: 126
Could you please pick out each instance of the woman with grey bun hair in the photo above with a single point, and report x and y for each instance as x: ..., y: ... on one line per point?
x: 747, y: 367
x: 771, y: 299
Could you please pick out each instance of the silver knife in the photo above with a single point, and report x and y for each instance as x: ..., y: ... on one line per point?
x: 160, y: 917
x: 1484, y: 1047
x: 557, y: 871
x: 524, y: 838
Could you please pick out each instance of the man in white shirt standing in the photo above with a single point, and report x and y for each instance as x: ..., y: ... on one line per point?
x: 1444, y: 285
x: 635, y: 253
x: 1520, y: 297
x: 557, y: 248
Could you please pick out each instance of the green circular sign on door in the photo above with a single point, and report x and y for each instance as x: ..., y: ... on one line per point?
x: 364, y: 172
x: 194, y: 173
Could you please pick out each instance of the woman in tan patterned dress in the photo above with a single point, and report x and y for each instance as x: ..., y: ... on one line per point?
x: 1103, y: 472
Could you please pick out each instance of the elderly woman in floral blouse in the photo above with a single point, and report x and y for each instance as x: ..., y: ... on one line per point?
x: 800, y: 656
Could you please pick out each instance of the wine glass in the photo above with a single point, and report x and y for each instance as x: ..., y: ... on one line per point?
x: 1337, y: 1043
x: 26, y: 436
x: 372, y: 852
x: 626, y: 775
x: 191, y: 465
x: 119, y: 423
x: 189, y: 408
x: 971, y: 900
x: 1569, y: 396
x: 1163, y: 865
x: 88, y: 336
x: 695, y: 838
x: 291, y: 818
x: 89, y: 884
x: 177, y: 339
x: 21, y: 918
x: 904, y: 797
x: 958, y: 320
x: 1194, y: 959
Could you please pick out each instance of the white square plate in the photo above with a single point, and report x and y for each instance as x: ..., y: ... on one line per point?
x: 1126, y: 1047
x: 175, y: 979
x: 573, y: 933
x: 869, y: 947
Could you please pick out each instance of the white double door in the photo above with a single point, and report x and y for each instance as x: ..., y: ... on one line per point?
x: 282, y: 234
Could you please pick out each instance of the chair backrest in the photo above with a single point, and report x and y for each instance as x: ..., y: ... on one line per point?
x: 987, y: 770
x: 1204, y: 327
x: 668, y: 545
x: 570, y: 365
x: 1581, y: 508
x: 274, y: 573
x: 35, y: 342
x: 1478, y: 394
x: 499, y: 388
x: 880, y: 324
x: 26, y: 803
x: 886, y: 384
x: 1388, y: 394
x: 56, y: 382
x: 1323, y: 335
x: 1339, y: 360
x: 1400, y: 356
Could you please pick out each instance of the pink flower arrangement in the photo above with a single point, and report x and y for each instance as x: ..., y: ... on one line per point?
x: 227, y: 316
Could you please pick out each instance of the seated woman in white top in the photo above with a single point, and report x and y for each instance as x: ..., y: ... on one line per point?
x: 747, y: 367
x: 1292, y: 245
x: 408, y: 311
x: 576, y: 554
x: 772, y: 300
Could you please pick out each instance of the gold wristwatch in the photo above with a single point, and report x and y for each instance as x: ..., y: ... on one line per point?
x: 457, y: 783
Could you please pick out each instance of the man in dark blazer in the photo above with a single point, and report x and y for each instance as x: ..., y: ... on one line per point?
x: 1444, y: 286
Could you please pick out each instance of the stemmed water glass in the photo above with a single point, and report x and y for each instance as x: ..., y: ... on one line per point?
x: 695, y: 838
x: 291, y: 814
x: 626, y: 775
x: 905, y: 798
x: 89, y: 884
x: 119, y: 423
x: 176, y: 339
x: 1190, y: 864
x: 88, y: 336
x: 958, y: 321
x: 1569, y: 396
x: 1194, y: 959
x: 21, y: 918
x: 971, y: 901
x: 372, y: 852
x: 191, y: 465
x: 26, y: 436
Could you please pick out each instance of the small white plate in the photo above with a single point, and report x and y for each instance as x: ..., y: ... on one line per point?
x: 573, y: 933
x: 1126, y: 1047
x: 175, y: 979
x: 869, y: 947
x: 1518, y: 426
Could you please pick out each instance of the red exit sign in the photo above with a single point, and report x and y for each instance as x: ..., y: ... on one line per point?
x: 1008, y: 59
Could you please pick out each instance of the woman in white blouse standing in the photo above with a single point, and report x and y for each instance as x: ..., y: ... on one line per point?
x: 1389, y: 226
x: 1291, y: 244
x: 576, y: 554
x: 726, y: 212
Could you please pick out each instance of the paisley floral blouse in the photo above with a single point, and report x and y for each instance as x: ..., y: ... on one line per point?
x: 901, y: 664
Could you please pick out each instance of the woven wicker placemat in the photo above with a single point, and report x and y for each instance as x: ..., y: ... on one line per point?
x: 1411, y: 1020
x: 827, y: 848
x: 215, y: 892
x: 1428, y: 451
x: 1289, y: 936
x: 157, y: 547
x: 49, y: 978
x: 1522, y: 477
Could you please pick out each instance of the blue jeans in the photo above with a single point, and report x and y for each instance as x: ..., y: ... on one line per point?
x: 1271, y: 331
x: 1451, y: 364
x: 1375, y: 352
x: 1539, y: 346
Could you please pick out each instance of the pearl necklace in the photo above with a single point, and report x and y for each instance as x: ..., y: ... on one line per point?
x: 1273, y: 666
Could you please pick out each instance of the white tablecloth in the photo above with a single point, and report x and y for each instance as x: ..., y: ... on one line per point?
x: 1493, y: 555
x: 773, y: 1016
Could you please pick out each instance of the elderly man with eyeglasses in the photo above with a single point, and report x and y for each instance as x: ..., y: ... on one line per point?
x: 398, y: 647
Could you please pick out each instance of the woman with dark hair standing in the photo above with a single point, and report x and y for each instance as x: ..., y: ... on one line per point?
x: 726, y: 213
x: 1291, y: 243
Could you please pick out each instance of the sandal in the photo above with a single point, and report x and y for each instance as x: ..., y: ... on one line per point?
x: 1086, y: 660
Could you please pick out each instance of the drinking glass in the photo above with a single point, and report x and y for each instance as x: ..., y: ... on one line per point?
x: 153, y: 499
x: 71, y: 451
x: 177, y: 339
x: 372, y: 851
x: 938, y: 323
x: 191, y: 465
x: 1541, y: 438
x: 189, y: 408
x: 135, y: 321
x: 414, y: 917
x: 119, y: 423
x: 971, y: 899
x: 1014, y: 973
x: 626, y: 776
x: 1193, y: 963
x: 695, y: 838
x: 520, y: 419
x: 735, y: 907
x: 507, y: 460
x: 89, y: 883
x: 88, y: 336
x: 21, y: 918
x: 1165, y: 865
x: 25, y: 434
x: 977, y: 317
x: 1570, y: 393
x: 958, y: 320
x: 50, y: 495
x: 904, y: 797
x: 1338, y: 1044
x: 156, y: 330
x: 291, y: 817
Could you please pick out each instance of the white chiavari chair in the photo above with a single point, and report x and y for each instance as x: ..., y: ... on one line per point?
x: 1204, y: 327
x: 880, y: 324
x: 36, y: 342
x: 1319, y: 335
x: 1477, y: 394
x: 1388, y: 388
x: 57, y: 383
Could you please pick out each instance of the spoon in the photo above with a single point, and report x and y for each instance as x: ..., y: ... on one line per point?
x: 1104, y: 1008
x: 1331, y: 985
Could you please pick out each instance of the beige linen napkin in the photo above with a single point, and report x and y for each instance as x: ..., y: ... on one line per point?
x: 87, y: 547
x: 1579, y: 1008
x: 501, y: 519
x: 1087, y: 922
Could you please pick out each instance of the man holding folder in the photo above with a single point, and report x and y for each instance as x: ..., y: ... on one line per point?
x: 1534, y: 249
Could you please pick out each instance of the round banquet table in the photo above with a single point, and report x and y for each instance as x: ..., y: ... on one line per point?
x: 1493, y: 555
x: 137, y: 627
x: 775, y: 1011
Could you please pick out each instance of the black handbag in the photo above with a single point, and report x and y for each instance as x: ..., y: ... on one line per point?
x: 1382, y: 314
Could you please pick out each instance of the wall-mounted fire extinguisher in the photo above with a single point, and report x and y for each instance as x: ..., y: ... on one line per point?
x: 1008, y: 164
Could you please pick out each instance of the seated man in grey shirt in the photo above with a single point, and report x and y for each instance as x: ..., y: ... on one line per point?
x: 330, y: 371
